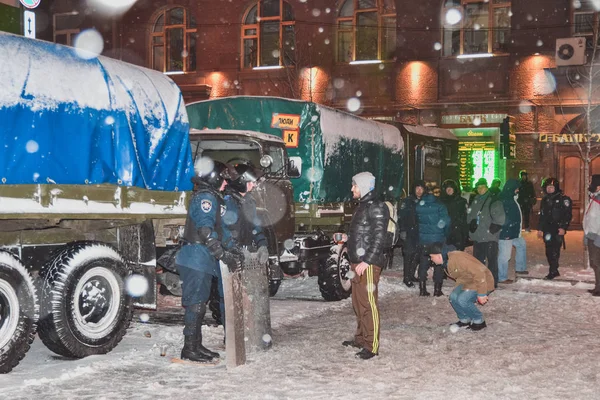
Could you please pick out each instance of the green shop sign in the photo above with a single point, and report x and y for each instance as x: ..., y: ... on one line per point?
x: 475, y: 132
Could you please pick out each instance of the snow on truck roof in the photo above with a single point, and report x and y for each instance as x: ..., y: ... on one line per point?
x: 250, y: 134
x: 119, y: 123
x: 336, y: 124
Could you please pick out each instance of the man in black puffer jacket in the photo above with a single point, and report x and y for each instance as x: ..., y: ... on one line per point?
x: 409, y: 232
x: 457, y: 209
x: 366, y: 242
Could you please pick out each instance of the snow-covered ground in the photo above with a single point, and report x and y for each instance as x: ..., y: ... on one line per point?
x: 542, y: 342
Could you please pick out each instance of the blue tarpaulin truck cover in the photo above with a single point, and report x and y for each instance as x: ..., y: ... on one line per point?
x: 67, y: 118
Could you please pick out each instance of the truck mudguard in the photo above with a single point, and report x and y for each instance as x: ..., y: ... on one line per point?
x: 67, y: 119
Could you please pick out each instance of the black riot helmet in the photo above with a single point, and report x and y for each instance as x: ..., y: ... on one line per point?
x: 550, y: 182
x: 245, y: 173
x: 216, y: 176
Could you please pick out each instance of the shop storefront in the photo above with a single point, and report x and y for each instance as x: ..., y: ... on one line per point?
x: 478, y: 146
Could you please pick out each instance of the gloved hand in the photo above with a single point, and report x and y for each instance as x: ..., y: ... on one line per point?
x: 233, y: 262
x: 403, y: 236
x: 263, y: 254
x: 238, y: 252
x: 494, y: 228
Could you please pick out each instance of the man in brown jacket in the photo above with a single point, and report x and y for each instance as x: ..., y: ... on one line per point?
x: 474, y: 282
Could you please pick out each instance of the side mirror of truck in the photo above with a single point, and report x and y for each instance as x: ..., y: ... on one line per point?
x: 294, y: 169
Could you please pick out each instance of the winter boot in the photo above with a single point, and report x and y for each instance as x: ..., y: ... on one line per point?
x: 189, y: 351
x: 423, y: 289
x: 351, y: 343
x: 437, y: 289
x: 461, y: 324
x: 199, y: 319
x: 408, y: 282
x: 477, y: 327
x: 192, y: 345
x: 365, y: 354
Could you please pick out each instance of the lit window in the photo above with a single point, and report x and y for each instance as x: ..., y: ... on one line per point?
x: 475, y: 26
x: 268, y: 35
x: 366, y: 30
x: 585, y: 18
x: 66, y: 27
x: 173, y: 41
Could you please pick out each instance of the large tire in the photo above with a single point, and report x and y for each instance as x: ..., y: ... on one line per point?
x: 19, y: 311
x: 333, y: 284
x: 274, y: 286
x: 85, y: 306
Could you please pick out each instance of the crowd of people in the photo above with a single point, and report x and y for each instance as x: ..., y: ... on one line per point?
x: 435, y: 230
x: 491, y: 219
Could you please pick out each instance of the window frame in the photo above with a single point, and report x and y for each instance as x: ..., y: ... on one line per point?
x: 492, y: 6
x: 187, y: 17
x: 71, y: 32
x: 256, y: 26
x: 382, y: 15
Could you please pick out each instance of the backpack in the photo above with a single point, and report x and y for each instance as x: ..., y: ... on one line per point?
x: 392, y: 233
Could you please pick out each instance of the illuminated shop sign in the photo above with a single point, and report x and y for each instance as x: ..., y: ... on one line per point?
x: 470, y: 118
x: 569, y: 138
x: 475, y: 132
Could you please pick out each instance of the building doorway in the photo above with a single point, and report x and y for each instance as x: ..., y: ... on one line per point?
x: 572, y: 184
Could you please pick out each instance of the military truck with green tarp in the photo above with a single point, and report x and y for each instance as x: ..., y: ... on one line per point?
x: 325, y: 148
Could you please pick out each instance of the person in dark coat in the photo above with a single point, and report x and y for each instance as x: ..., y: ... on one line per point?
x: 526, y: 199
x: 495, y: 188
x: 409, y: 232
x: 457, y: 210
x: 555, y: 217
x: 434, y: 225
x: 510, y: 235
x: 486, y: 218
x: 366, y: 243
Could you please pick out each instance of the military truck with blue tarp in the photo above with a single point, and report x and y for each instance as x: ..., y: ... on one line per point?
x: 324, y: 149
x: 95, y: 154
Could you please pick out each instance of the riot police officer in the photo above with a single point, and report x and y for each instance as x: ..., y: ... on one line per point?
x: 555, y: 217
x: 241, y: 218
x: 205, y: 241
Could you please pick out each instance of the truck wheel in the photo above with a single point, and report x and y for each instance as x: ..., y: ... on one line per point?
x: 333, y: 283
x: 19, y: 311
x: 274, y: 287
x: 85, y: 306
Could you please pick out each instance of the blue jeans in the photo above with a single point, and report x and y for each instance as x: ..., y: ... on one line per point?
x: 504, y: 253
x: 463, y: 302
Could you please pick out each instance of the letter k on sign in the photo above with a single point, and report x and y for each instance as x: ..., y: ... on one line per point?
x: 291, y: 138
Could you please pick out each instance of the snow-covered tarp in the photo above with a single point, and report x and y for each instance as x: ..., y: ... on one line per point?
x: 71, y: 120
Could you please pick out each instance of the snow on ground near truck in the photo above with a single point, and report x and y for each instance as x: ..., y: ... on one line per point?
x: 537, y: 346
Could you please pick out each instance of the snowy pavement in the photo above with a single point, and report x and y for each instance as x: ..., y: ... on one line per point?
x: 537, y: 346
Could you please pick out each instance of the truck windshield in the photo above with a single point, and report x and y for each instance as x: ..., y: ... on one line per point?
x: 278, y: 155
x: 239, y: 152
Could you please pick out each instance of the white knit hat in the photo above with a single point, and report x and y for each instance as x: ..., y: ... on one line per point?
x: 365, y: 182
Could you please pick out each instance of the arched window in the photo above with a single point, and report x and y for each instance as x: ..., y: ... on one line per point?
x: 366, y: 30
x: 268, y: 35
x: 173, y: 41
x: 475, y: 26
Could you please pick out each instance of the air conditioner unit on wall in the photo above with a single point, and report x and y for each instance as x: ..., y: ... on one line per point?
x: 570, y: 51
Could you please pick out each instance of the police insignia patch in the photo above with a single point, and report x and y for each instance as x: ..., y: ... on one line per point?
x: 206, y: 205
x: 567, y: 202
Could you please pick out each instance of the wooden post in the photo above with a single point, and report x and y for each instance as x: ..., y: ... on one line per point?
x: 235, y: 346
x: 257, y: 312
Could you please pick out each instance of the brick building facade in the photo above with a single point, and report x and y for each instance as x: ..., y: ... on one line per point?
x: 459, y: 64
